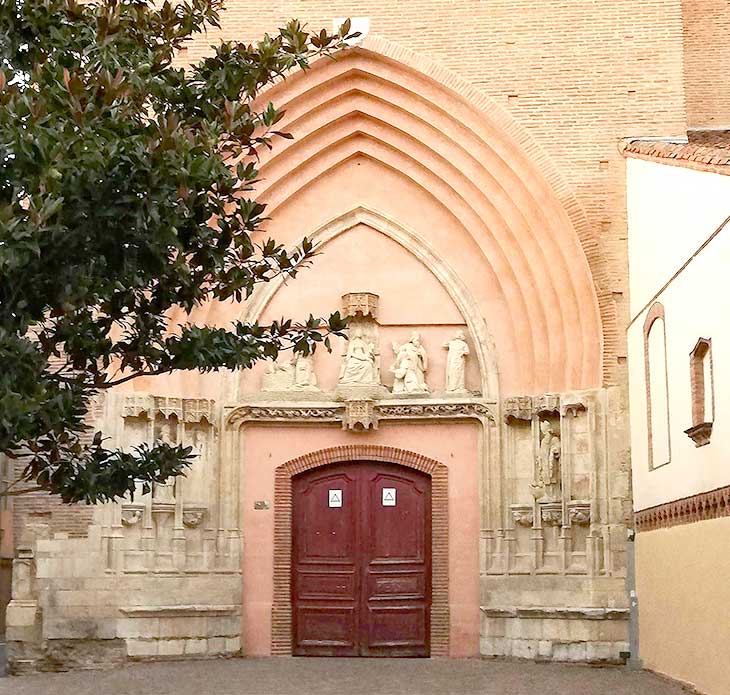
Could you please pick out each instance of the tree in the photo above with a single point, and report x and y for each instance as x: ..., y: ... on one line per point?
x: 125, y: 191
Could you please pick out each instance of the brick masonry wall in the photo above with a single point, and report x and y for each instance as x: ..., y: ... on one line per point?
x: 40, y: 508
x: 707, y: 58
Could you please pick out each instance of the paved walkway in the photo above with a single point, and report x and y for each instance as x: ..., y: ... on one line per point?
x: 344, y: 677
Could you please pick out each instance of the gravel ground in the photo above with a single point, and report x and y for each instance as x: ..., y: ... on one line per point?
x: 310, y: 676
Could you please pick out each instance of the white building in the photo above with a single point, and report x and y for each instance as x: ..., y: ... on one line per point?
x: 679, y: 385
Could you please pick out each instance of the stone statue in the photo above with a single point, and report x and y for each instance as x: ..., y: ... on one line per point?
x: 278, y: 377
x: 164, y: 492
x: 456, y: 362
x: 547, y: 473
x: 359, y: 365
x: 409, y: 368
x: 303, y: 371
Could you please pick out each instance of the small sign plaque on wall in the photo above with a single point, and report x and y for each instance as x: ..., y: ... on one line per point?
x: 389, y: 497
x: 335, y: 498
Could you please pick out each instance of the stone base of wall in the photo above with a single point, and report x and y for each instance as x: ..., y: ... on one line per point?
x: 588, y: 635
x: 64, y: 655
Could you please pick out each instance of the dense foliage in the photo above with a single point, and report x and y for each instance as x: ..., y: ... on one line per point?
x: 125, y: 192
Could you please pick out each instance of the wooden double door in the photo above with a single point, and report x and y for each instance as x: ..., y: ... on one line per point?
x: 361, y: 561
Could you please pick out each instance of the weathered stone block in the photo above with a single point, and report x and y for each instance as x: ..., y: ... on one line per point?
x: 598, y: 651
x: 524, y: 648
x: 21, y: 614
x: 577, y: 651
x: 233, y: 644
x: 216, y: 645
x: 138, y: 627
x: 141, y: 647
x: 196, y: 646
x: 545, y: 649
x: 171, y: 647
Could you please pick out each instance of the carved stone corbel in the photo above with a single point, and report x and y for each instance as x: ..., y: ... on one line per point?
x: 193, y: 516
x: 132, y: 514
x: 359, y: 416
x: 522, y: 514
x: 579, y: 514
x: 552, y: 513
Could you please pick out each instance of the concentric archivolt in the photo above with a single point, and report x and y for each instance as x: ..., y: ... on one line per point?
x: 508, y: 225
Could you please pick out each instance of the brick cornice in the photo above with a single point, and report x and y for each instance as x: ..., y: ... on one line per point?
x: 690, y: 156
x: 688, y: 510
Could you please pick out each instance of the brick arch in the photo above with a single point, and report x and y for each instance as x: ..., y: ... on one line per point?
x: 281, y: 610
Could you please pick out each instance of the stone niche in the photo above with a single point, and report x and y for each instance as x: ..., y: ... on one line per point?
x: 555, y: 533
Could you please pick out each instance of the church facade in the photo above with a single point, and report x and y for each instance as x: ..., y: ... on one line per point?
x: 453, y: 480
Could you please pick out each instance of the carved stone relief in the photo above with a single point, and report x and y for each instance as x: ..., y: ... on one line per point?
x: 295, y: 374
x: 360, y: 363
x: 192, y: 517
x: 458, y: 351
x: 131, y: 516
x: 410, y: 366
x: 547, y: 484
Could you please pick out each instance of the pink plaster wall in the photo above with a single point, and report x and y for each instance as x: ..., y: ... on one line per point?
x: 455, y: 445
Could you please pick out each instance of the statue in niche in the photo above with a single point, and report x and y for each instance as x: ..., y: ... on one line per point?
x: 410, y: 366
x: 547, y: 466
x: 200, y: 444
x: 303, y: 372
x: 164, y: 492
x: 456, y: 362
x: 359, y: 366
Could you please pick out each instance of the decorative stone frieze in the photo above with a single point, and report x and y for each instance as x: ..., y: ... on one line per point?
x: 381, y: 411
x: 437, y: 410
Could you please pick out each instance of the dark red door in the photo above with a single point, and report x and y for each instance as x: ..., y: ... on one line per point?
x: 361, y: 561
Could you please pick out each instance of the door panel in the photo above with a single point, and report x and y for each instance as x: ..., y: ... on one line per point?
x: 325, y: 565
x: 361, y: 572
x: 396, y: 566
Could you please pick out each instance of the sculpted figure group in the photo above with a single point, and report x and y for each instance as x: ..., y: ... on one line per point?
x: 360, y: 367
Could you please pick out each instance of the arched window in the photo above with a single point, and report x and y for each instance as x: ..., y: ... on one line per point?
x: 657, y: 387
x: 703, y: 401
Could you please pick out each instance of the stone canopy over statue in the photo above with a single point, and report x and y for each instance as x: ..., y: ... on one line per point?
x: 410, y: 366
x: 547, y: 485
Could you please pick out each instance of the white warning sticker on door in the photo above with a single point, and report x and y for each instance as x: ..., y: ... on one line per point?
x: 389, y: 497
x: 335, y: 498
